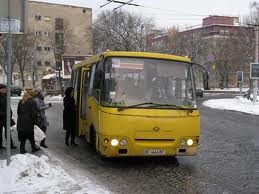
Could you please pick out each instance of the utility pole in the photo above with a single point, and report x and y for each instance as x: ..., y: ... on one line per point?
x: 256, y: 61
x: 8, y: 98
x: 255, y: 82
x: 33, y: 73
x: 141, y: 41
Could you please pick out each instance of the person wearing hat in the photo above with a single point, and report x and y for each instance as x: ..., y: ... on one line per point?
x: 42, y: 118
x: 3, y: 104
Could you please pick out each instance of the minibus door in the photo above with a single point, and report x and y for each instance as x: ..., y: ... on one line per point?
x: 85, y: 75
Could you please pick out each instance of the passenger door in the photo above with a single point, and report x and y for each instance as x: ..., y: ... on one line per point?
x: 82, y: 108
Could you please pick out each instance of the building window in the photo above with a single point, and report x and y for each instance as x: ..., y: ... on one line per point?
x: 47, y: 63
x: 58, y: 50
x: 29, y: 77
x: 59, y: 24
x: 38, y: 48
x: 39, y: 63
x: 47, y: 48
x: 46, y: 33
x: 59, y: 38
x: 38, y: 33
x: 38, y: 17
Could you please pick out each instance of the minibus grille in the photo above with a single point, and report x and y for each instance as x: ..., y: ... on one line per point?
x: 172, y: 140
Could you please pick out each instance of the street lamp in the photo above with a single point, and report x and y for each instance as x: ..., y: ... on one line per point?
x: 58, y: 76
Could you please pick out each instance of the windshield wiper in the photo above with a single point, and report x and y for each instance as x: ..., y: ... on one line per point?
x: 155, y: 105
x: 135, y: 105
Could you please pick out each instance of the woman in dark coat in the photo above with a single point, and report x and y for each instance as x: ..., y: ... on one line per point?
x: 69, y: 116
x: 27, y: 118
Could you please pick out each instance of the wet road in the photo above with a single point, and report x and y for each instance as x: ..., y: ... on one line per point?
x: 227, y: 162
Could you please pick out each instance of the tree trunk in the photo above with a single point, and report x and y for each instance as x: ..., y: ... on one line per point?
x: 23, y: 81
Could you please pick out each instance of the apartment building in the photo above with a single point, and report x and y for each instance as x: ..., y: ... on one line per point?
x: 58, y: 29
x: 211, y: 29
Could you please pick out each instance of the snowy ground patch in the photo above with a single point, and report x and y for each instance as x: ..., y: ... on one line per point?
x: 58, y: 98
x: 238, y: 103
x: 32, y: 174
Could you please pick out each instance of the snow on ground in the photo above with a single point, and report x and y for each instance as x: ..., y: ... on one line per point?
x: 238, y: 103
x: 28, y: 173
x: 228, y: 89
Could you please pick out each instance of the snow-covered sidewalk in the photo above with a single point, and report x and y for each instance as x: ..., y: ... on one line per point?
x: 32, y: 174
x: 238, y: 103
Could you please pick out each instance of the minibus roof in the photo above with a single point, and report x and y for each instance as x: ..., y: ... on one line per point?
x: 88, y: 62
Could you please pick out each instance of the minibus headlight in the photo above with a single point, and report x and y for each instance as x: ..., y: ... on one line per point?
x: 183, y: 142
x: 189, y: 142
x: 114, y: 142
x: 123, y: 142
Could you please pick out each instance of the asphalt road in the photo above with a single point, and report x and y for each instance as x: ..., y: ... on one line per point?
x: 227, y: 162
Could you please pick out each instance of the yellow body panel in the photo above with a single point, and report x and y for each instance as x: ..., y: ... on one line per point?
x: 137, y: 127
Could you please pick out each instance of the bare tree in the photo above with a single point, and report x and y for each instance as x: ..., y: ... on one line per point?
x: 23, y: 46
x: 180, y: 43
x: 224, y: 49
x: 4, y: 53
x: 60, y: 39
x: 120, y: 30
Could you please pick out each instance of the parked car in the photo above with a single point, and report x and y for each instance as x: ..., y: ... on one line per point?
x: 16, y: 90
x: 199, y: 93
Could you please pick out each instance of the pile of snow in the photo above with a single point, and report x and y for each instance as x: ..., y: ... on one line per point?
x: 31, y: 174
x: 238, y: 103
x: 54, y: 98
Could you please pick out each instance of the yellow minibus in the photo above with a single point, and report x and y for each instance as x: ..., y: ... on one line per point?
x: 137, y: 104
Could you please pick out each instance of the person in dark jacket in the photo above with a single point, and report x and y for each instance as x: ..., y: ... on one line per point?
x: 69, y: 116
x: 3, y: 104
x: 27, y: 118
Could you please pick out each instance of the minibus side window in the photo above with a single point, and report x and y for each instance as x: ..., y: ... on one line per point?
x: 84, y: 94
x: 75, y: 79
x: 71, y: 83
x: 90, y: 92
x: 97, y: 81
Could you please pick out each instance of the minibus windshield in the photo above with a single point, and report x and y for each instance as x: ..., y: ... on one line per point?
x: 130, y: 81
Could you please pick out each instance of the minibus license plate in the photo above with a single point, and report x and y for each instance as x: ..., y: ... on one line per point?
x: 157, y: 152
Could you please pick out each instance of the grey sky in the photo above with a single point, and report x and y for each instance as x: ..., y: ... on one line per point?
x: 171, y: 12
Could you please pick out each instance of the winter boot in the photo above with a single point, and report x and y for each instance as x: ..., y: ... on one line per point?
x: 13, y: 147
x: 42, y: 144
x: 73, y: 143
x: 22, y: 147
x: 33, y: 147
x: 67, y: 138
